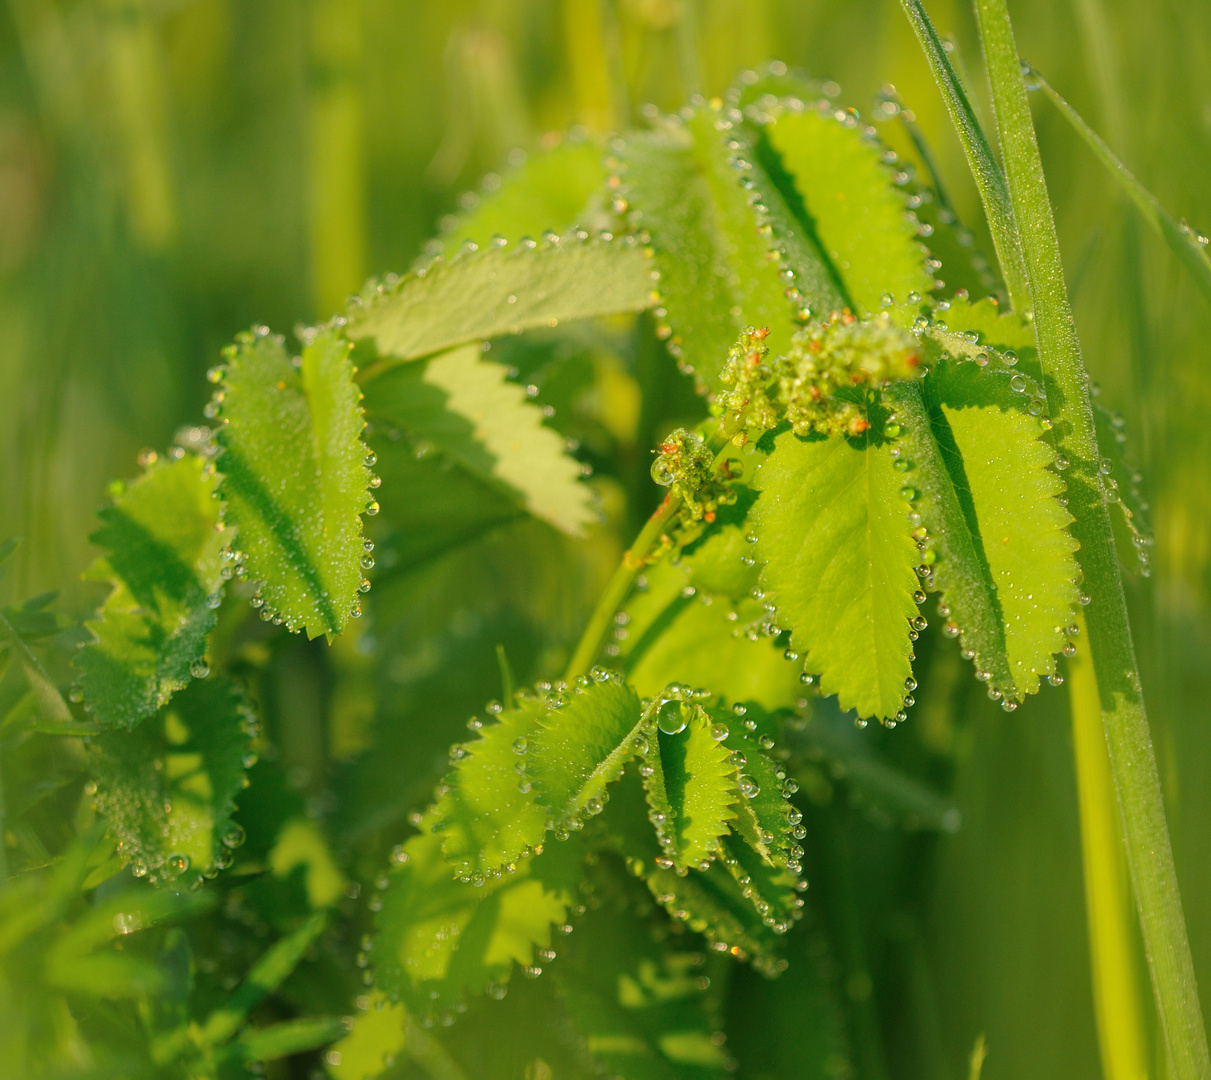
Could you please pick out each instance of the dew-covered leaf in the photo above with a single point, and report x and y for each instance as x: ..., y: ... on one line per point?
x: 716, y: 274
x: 441, y: 940
x: 581, y: 747
x: 989, y: 498
x: 552, y: 190
x: 636, y: 1001
x: 690, y: 785
x: 163, y: 559
x: 486, y: 821
x: 834, y: 534
x: 295, y: 476
x: 861, y: 219
x: 491, y: 452
x: 168, y: 789
x: 703, y: 639
x: 772, y: 890
x: 498, y: 291
x: 764, y: 817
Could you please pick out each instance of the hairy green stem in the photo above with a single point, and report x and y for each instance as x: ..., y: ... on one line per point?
x: 633, y: 561
x: 1132, y: 761
x: 989, y: 179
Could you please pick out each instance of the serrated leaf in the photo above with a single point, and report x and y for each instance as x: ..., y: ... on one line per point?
x: 163, y: 560
x: 294, y: 476
x: 440, y: 940
x: 834, y: 535
x: 498, y: 291
x: 860, y: 217
x: 770, y: 889
x: 691, y: 789
x: 763, y: 816
x: 168, y: 789
x: 462, y: 407
x: 1006, y: 563
x: 486, y: 821
x: 552, y: 190
x: 716, y: 274
x: 636, y: 1001
x: 582, y: 747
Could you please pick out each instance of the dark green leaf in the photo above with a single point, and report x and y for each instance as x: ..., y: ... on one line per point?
x: 163, y: 541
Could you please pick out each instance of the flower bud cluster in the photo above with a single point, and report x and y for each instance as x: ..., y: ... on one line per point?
x: 822, y: 380
x: 745, y: 410
x: 683, y: 464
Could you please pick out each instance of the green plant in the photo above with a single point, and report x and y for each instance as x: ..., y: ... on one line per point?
x: 866, y: 434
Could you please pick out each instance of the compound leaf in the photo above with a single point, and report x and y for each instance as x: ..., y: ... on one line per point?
x: 498, y: 291
x: 860, y: 218
x: 581, y: 747
x: 163, y: 559
x: 834, y: 534
x: 295, y: 476
x: 440, y: 940
x: 486, y: 821
x: 168, y: 789
x: 462, y: 408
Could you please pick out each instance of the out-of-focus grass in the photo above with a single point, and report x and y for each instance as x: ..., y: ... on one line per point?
x: 173, y: 170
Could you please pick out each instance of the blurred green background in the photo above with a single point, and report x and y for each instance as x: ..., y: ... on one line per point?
x: 174, y: 170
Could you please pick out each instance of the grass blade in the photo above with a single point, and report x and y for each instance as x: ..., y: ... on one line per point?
x: 1133, y: 762
x: 1180, y: 238
x: 988, y: 176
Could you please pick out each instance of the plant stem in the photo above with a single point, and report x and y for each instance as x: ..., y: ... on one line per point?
x: 1120, y: 1020
x: 988, y: 176
x: 633, y: 561
x: 1132, y: 761
x: 616, y: 592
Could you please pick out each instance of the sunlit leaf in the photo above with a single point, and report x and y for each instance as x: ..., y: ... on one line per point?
x: 295, y: 476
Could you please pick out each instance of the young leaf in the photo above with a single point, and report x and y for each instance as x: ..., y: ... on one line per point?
x: 163, y: 543
x: 440, y: 940
x: 862, y: 222
x: 690, y: 784
x: 636, y: 1001
x: 716, y: 275
x: 764, y: 817
x: 770, y: 889
x: 492, y: 439
x: 485, y: 819
x: 553, y: 189
x: 485, y: 294
x: 833, y: 531
x: 168, y: 789
x: 581, y: 747
x: 295, y: 476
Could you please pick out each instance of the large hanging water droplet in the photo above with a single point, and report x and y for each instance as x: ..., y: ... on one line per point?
x: 673, y: 717
x: 749, y: 787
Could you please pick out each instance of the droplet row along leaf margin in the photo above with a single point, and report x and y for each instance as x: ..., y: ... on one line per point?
x: 295, y: 477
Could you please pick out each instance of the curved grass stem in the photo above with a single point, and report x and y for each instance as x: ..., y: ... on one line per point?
x: 1120, y: 696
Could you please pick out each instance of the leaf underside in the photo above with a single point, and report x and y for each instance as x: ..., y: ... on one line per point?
x: 294, y: 476
x: 163, y: 559
x: 497, y: 291
x: 487, y: 440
